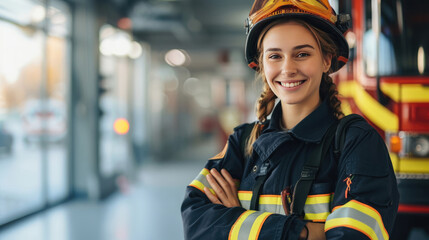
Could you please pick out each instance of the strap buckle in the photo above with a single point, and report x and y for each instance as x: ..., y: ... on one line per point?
x: 309, y: 173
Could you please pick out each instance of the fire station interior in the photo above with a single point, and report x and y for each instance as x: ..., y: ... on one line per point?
x: 110, y: 108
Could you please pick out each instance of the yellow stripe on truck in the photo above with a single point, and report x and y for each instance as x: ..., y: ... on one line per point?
x: 371, y: 108
x: 406, y: 93
x: 345, y: 107
x: 414, y: 165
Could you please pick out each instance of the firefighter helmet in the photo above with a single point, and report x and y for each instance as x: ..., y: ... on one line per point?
x: 318, y: 13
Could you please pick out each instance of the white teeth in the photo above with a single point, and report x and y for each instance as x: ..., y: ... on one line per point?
x: 290, y: 85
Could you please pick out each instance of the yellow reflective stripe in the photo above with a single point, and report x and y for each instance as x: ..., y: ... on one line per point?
x: 248, y: 225
x: 270, y: 199
x: 200, y: 181
x: 263, y: 199
x: 257, y: 225
x: 370, y: 107
x: 316, y: 199
x: 204, y: 172
x: 406, y: 93
x: 317, y: 207
x: 267, y: 203
x: 235, y: 230
x: 353, y: 224
x: 245, y: 195
x: 197, y: 184
x: 414, y: 165
x: 358, y: 216
x: 271, y: 203
x: 317, y: 217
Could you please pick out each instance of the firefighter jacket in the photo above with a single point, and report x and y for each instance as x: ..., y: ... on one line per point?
x: 355, y: 195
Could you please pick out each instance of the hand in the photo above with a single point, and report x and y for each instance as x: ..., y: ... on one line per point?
x: 224, y: 188
x: 316, y: 231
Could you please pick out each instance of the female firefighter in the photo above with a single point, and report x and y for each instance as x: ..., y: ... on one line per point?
x: 252, y: 189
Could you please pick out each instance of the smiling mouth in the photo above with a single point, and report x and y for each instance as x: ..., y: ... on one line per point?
x: 291, y: 84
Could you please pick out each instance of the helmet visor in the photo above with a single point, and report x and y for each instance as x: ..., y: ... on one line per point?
x: 265, y: 8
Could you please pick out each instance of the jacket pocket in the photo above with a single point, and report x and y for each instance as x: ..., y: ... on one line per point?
x: 369, y: 183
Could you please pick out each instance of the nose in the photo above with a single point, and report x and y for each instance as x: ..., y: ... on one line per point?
x: 289, y: 67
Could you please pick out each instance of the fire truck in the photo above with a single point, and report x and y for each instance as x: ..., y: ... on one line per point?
x: 387, y: 82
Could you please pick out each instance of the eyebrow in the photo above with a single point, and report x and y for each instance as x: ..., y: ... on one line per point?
x: 295, y: 48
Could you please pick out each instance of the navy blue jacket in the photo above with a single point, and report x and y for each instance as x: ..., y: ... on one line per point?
x: 355, y: 196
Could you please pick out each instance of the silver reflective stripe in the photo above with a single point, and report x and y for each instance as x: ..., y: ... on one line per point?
x: 245, y: 204
x: 201, y: 181
x: 346, y: 212
x: 247, y: 226
x: 317, y: 212
x: 272, y: 208
x: 267, y: 203
x: 322, y: 209
x: 316, y: 208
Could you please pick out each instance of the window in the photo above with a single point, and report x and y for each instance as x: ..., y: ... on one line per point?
x: 403, y: 43
x: 33, y: 117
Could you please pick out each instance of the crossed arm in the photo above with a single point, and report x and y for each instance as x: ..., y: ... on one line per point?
x: 225, y: 189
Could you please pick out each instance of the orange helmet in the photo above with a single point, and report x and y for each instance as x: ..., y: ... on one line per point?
x: 318, y: 13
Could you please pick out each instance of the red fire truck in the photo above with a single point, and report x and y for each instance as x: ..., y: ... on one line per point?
x: 387, y: 82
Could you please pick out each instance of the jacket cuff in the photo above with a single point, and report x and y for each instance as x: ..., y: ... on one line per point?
x: 293, y: 228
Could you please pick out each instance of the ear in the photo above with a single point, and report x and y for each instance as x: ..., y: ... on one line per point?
x: 327, y: 60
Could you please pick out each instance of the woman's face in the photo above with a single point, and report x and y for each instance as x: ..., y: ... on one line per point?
x: 293, y: 64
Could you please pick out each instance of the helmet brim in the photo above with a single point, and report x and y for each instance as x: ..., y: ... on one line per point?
x: 251, y: 51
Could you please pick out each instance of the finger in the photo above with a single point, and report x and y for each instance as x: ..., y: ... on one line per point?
x: 234, y: 197
x: 222, y: 182
x: 229, y: 179
x: 220, y: 193
x: 211, y: 196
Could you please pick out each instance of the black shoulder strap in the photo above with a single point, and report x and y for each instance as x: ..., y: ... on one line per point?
x: 309, y: 171
x: 311, y: 165
x: 340, y: 134
x: 260, y: 180
x: 263, y: 172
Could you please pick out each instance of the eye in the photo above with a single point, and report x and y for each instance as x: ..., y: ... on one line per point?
x: 302, y: 54
x: 274, y: 56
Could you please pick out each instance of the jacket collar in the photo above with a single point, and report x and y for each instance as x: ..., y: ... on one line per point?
x: 311, y: 129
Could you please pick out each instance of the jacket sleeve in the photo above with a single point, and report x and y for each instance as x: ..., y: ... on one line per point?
x: 205, y: 220
x: 366, y: 197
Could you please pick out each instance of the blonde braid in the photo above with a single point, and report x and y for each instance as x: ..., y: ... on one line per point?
x: 265, y: 106
x: 266, y: 101
x: 329, y: 89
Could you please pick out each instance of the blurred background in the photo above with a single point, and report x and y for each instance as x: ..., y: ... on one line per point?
x: 108, y: 109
